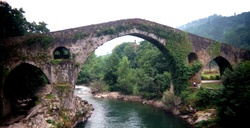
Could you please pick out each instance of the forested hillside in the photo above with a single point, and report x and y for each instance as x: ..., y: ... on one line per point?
x: 232, y: 30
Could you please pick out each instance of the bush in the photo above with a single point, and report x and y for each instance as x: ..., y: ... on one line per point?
x: 205, y: 78
x: 212, y: 77
x: 217, y: 77
x: 234, y: 106
x: 207, y: 98
x: 99, y: 86
x: 189, y: 96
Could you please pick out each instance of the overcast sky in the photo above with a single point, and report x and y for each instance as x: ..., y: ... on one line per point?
x: 64, y: 14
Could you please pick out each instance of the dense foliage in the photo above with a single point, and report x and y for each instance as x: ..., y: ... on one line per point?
x: 233, y: 30
x: 13, y: 23
x: 207, y: 98
x: 93, y: 70
x: 139, y: 69
x: 231, y: 101
x: 235, y: 99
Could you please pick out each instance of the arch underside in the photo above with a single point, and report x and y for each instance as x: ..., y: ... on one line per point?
x: 223, y: 64
x: 155, y: 42
x: 21, y: 86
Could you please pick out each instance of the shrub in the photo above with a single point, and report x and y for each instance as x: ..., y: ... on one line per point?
x: 217, y: 77
x: 207, y: 98
x: 234, y: 105
x: 212, y: 77
x: 170, y: 100
x: 99, y: 86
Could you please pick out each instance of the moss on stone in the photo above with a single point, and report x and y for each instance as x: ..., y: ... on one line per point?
x: 42, y: 40
x: 79, y: 35
x: 214, y: 49
x: 55, y: 61
x: 63, y: 88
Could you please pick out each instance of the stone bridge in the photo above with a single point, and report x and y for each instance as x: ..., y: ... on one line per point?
x: 77, y: 44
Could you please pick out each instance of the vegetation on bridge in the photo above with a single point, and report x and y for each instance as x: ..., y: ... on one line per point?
x: 42, y: 40
x: 214, y: 49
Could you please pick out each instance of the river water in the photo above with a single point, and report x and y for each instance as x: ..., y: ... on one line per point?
x: 121, y: 114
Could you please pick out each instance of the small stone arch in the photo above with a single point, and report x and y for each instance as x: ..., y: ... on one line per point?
x: 192, y: 57
x: 61, y: 53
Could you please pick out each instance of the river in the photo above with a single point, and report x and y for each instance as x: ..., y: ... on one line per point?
x: 121, y: 114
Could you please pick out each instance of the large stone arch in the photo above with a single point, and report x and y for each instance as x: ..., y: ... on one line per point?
x: 158, y: 42
x: 99, y: 41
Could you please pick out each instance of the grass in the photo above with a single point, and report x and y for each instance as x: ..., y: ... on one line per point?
x: 209, y: 75
x: 212, y: 85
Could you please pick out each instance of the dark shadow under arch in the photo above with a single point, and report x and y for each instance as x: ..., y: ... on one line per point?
x: 192, y: 57
x: 223, y: 64
x: 21, y: 86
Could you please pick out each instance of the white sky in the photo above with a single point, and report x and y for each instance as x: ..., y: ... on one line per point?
x: 64, y: 14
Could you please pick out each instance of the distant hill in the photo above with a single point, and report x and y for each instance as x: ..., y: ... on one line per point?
x: 234, y: 30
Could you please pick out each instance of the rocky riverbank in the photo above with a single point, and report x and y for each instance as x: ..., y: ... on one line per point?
x: 189, y: 114
x: 117, y: 95
x: 51, y: 111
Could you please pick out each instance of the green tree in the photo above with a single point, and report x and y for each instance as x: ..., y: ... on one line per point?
x: 110, y: 77
x: 231, y: 37
x: 13, y: 23
x: 119, y: 50
x: 125, y: 76
x: 93, y: 70
x: 162, y: 82
x: 207, y: 98
x: 85, y: 74
x: 152, y: 74
x: 235, y: 99
x: 126, y: 49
